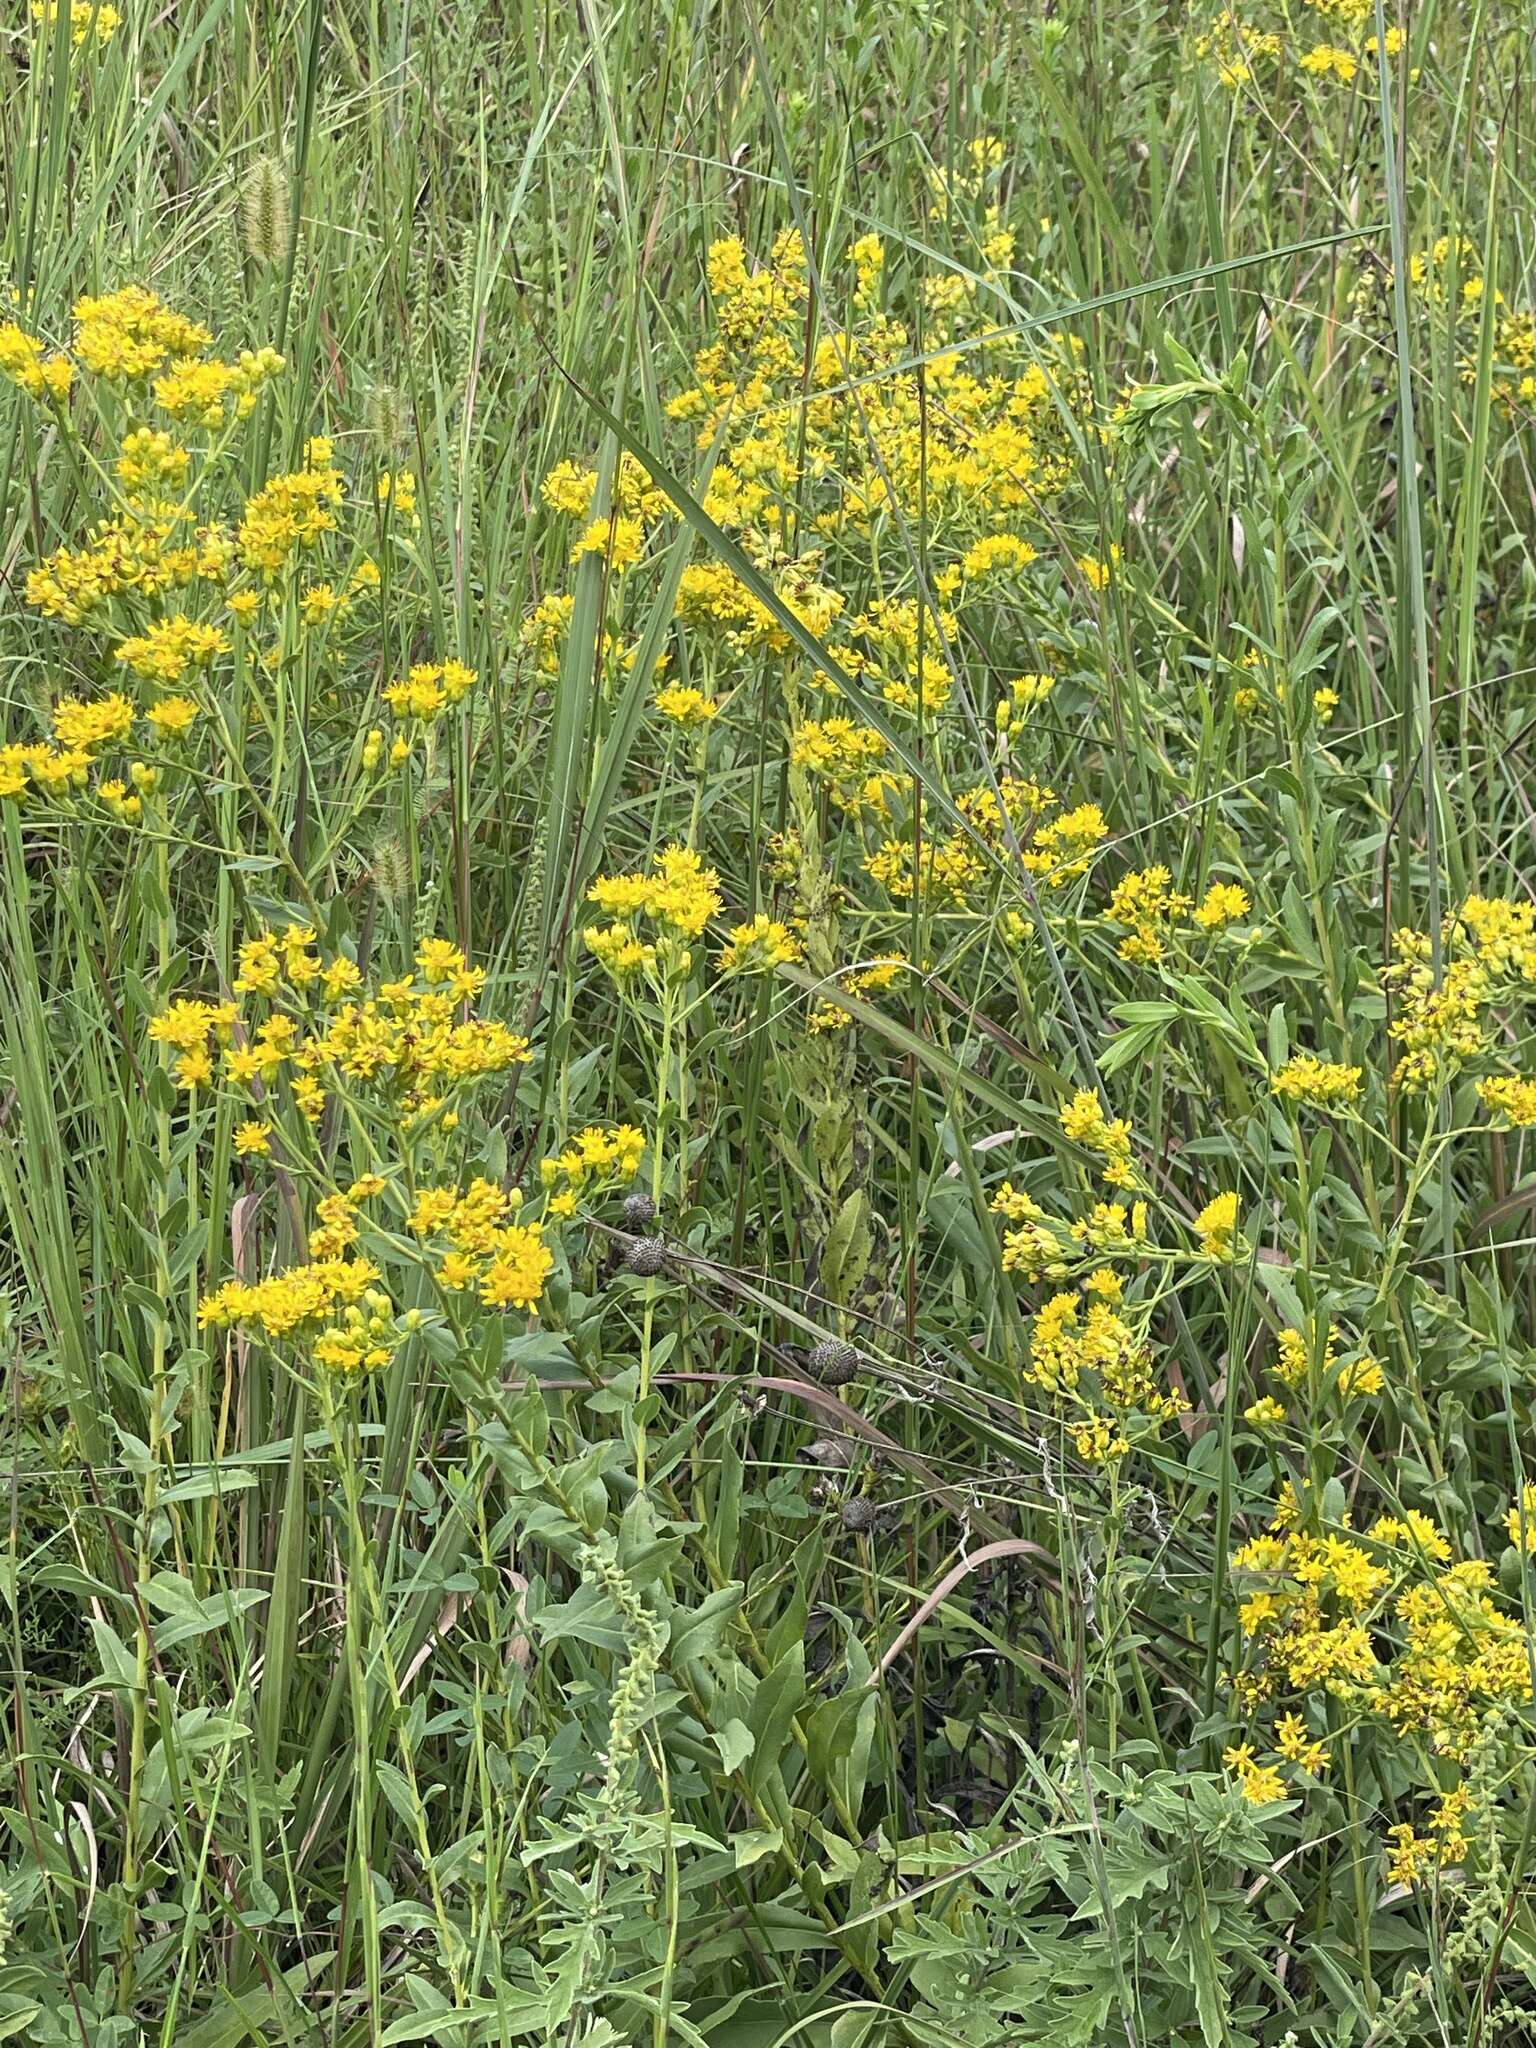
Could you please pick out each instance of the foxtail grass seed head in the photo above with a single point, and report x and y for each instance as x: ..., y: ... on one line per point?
x: 391, y: 868
x: 389, y: 420
x: 266, y: 213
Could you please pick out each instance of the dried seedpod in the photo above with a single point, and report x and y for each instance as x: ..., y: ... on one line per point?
x: 647, y: 1256
x: 637, y: 1211
x: 830, y: 1453
x: 833, y: 1362
x: 860, y: 1514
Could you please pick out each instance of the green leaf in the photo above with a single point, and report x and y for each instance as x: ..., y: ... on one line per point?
x: 775, y: 1704
x: 697, y: 1630
x: 735, y: 1743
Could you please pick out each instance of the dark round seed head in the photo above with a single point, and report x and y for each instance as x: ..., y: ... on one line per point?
x: 833, y: 1362
x: 637, y: 1211
x: 860, y: 1514
x: 647, y: 1256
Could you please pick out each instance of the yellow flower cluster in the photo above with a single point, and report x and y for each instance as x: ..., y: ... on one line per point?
x: 169, y: 649
x: 291, y: 514
x: 1217, y: 1228
x: 504, y: 1263
x: 1085, y: 1123
x: 429, y: 689
x: 1035, y: 1246
x: 1146, y: 903
x: 843, y: 752
x: 1301, y: 1364
x: 684, y: 706
x: 953, y: 866
x: 53, y: 769
x: 329, y: 1307
x: 1415, y: 1857
x: 199, y: 393
x: 1521, y: 1520
x: 595, y: 1159
x: 129, y: 334
x: 144, y: 552
x: 991, y: 443
x: 989, y: 432
x: 89, y: 20
x: 714, y: 596
x: 759, y: 946
x: 1389, y: 1627
x: 1320, y: 1084
x: 407, y: 1044
x: 679, y: 896
x: 1022, y: 696
x: 25, y: 363
x: 1249, y: 51
x: 878, y: 976
x: 192, y: 1029
x: 1447, y: 277
x: 1102, y: 1371
x: 1444, y: 1021
x: 1061, y: 850
x: 152, y: 571
x: 571, y: 489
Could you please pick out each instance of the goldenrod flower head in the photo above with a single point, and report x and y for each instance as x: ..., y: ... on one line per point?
x: 165, y: 651
x: 619, y: 539
x: 760, y: 946
x: 679, y: 893
x: 1084, y: 1121
x: 82, y: 725
x: 396, y: 491
x: 1521, y: 1520
x: 173, y: 717
x: 25, y: 363
x: 291, y: 514
x: 88, y: 21
x: 1511, y: 1098
x: 515, y: 1274
x: 1222, y: 903
x: 127, y: 335
x: 685, y: 707
x: 1321, y: 1084
x: 1217, y: 1227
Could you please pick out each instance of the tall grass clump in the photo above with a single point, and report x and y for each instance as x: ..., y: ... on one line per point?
x: 767, y: 1026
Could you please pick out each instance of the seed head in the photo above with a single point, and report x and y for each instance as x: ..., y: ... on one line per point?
x: 391, y: 869
x: 647, y: 1256
x: 266, y: 213
x: 387, y: 420
x: 833, y: 1362
x: 637, y: 1211
x: 860, y: 1514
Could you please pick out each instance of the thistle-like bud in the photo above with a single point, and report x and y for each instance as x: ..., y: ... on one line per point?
x: 266, y: 214
x: 647, y: 1257
x: 833, y: 1362
x: 637, y: 1211
x: 860, y: 1514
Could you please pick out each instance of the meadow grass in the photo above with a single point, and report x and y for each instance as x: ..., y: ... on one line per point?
x: 765, y: 966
